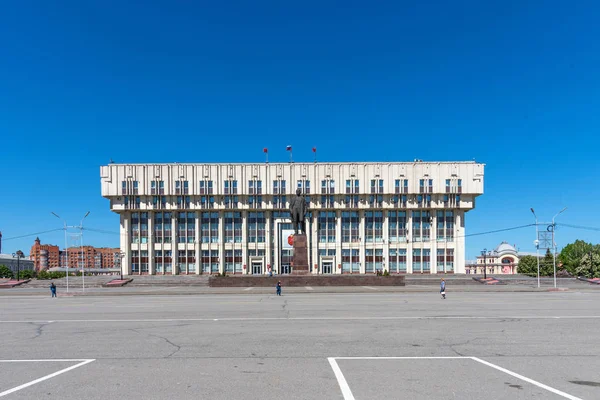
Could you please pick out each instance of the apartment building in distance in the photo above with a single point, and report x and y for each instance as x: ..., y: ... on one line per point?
x: 46, y: 256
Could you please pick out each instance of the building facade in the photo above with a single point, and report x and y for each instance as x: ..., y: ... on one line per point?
x: 503, y: 260
x: 44, y: 256
x: 234, y: 218
x: 16, y: 265
x: 47, y: 256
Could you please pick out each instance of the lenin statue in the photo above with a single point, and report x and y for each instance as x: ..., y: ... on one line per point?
x: 298, y: 211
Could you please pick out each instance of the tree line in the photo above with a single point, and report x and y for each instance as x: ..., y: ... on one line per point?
x: 576, y: 259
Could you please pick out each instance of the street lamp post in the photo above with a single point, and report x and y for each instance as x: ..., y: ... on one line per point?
x: 80, y: 227
x: 66, y: 248
x: 484, y: 255
x: 554, y: 243
x: 537, y: 247
x: 18, y: 255
x: 82, y: 251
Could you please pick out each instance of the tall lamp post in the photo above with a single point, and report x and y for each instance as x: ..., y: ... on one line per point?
x: 18, y: 255
x: 537, y: 247
x: 484, y: 255
x: 554, y: 243
x: 80, y: 227
x: 82, y: 251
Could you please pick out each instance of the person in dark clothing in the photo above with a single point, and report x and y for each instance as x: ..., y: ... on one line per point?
x: 279, y: 288
x: 53, y: 289
x: 443, y: 289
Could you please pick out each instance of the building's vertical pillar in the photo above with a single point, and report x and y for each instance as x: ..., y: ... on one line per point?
x: 338, y: 242
x: 174, y: 244
x: 459, y: 241
x: 362, y: 241
x: 221, y: 241
x: 386, y: 241
x: 197, y: 243
x: 125, y: 229
x: 410, y: 241
x: 315, y: 243
x: 244, y: 242
x: 268, y: 241
x: 433, y: 240
x: 151, y: 266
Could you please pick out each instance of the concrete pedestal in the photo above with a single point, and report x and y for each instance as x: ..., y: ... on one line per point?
x: 300, y: 262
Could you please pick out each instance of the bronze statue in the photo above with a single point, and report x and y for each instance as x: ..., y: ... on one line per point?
x: 298, y: 211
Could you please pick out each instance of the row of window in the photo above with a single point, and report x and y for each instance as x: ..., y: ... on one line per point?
x: 326, y: 226
x: 280, y: 201
x: 230, y: 186
x: 185, y: 261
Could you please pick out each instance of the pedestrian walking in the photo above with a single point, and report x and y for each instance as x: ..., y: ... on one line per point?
x: 53, y: 289
x: 278, y: 288
x: 443, y: 289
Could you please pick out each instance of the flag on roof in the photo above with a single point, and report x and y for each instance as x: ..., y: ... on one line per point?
x: 265, y: 150
x: 288, y: 148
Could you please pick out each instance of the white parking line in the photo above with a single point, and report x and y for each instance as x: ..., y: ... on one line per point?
x: 524, y: 378
x: 324, y: 318
x: 347, y: 393
x: 62, y: 371
x: 249, y: 288
x: 308, y: 288
x: 370, y: 287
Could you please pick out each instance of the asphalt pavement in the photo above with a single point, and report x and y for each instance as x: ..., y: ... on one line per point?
x: 305, y: 345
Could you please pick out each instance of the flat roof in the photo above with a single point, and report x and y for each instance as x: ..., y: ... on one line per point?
x: 304, y: 163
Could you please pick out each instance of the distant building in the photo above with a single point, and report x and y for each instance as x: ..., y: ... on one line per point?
x: 11, y: 262
x: 44, y: 256
x: 504, y: 259
x: 47, y: 256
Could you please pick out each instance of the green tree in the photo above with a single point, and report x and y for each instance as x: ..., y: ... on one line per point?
x: 26, y: 274
x: 527, y: 266
x: 547, y: 264
x: 571, y: 255
x: 5, y: 272
x: 589, y: 265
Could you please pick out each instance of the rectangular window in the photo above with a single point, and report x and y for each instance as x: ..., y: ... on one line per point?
x: 256, y: 227
x: 124, y: 187
x: 417, y: 261
x: 210, y: 227
x: 233, y: 227
x: 374, y: 226
x: 135, y: 187
x: 449, y: 265
x: 210, y: 261
x: 327, y: 201
x: 447, y: 185
x: 205, y: 187
x: 326, y: 225
x: 350, y: 227
x: 177, y: 187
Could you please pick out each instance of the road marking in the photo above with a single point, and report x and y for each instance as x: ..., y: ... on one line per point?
x: 524, y: 378
x: 369, y: 287
x: 346, y: 392
x: 308, y: 288
x: 398, y: 318
x: 349, y: 396
x: 62, y: 371
x: 249, y: 288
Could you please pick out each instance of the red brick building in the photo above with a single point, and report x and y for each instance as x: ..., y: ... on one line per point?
x: 46, y: 256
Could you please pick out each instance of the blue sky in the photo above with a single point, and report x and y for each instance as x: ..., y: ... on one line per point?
x: 512, y: 84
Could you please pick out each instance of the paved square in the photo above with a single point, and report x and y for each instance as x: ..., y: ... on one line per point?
x: 254, y: 345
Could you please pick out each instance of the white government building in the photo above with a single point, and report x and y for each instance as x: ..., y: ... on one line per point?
x: 403, y: 217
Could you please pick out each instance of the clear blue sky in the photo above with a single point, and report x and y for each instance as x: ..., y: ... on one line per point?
x: 514, y: 84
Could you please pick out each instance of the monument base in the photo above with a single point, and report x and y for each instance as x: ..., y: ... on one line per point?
x: 300, y: 260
